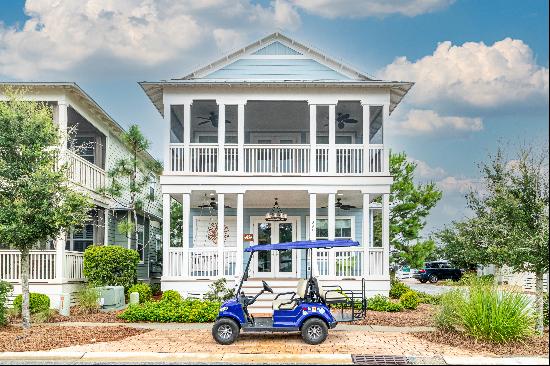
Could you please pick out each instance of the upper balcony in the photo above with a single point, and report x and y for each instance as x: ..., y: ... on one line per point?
x: 276, y: 138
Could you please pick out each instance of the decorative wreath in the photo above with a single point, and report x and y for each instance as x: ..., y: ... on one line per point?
x: 213, y: 233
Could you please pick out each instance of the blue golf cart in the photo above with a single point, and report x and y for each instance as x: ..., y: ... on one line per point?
x: 306, y: 310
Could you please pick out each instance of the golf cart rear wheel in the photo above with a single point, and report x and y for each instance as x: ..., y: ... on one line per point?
x: 225, y: 331
x: 314, y: 331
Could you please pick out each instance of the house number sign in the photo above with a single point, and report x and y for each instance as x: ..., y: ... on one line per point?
x: 248, y: 237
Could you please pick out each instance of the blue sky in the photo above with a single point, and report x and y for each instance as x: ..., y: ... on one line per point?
x: 486, y: 84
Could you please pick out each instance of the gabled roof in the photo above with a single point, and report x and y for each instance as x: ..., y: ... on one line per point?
x: 276, y: 61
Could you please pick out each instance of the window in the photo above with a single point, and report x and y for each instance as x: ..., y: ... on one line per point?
x: 82, y: 238
x: 84, y: 146
x: 140, y: 247
x: 342, y: 228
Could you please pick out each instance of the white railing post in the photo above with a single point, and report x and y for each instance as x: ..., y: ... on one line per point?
x: 240, y: 137
x: 165, y: 235
x: 313, y: 232
x: 313, y: 138
x: 186, y: 215
x: 221, y: 232
x: 331, y: 232
x: 366, y: 233
x: 221, y: 138
x: 240, y: 245
x: 332, y: 139
x: 60, y: 258
x: 386, y: 233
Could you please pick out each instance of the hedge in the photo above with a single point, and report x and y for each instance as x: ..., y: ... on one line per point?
x: 110, y: 266
x: 144, y: 291
x: 37, y: 303
x: 171, y: 310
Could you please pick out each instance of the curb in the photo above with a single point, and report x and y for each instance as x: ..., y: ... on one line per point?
x: 484, y: 360
x: 231, y: 358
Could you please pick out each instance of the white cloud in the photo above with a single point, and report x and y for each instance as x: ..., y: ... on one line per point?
x: 62, y: 36
x: 370, y: 8
x: 474, y: 74
x: 452, y: 184
x: 428, y: 122
x: 426, y: 172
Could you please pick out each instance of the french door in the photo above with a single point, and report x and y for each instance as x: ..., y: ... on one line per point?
x: 275, y: 263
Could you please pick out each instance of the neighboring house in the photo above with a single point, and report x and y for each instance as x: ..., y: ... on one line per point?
x: 276, y: 121
x: 91, y: 152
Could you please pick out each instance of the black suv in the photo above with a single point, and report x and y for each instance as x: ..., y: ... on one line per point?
x: 435, y: 271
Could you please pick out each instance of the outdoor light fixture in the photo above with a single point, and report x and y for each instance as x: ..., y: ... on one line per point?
x: 276, y: 213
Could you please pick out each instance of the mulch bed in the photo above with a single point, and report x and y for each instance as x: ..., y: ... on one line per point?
x: 532, y: 346
x: 43, y: 337
x: 79, y: 316
x: 421, y: 317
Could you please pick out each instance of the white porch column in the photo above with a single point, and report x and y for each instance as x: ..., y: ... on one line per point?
x: 331, y: 230
x: 239, y: 256
x: 386, y: 232
x: 240, y: 136
x: 332, y: 139
x: 221, y: 137
x: 165, y: 234
x: 385, y: 117
x: 187, y: 137
x: 221, y: 232
x: 366, y: 137
x: 313, y: 231
x: 366, y: 233
x: 60, y: 258
x: 186, y: 215
x: 106, y: 226
x: 166, y: 137
x: 313, y: 138
x: 62, y: 120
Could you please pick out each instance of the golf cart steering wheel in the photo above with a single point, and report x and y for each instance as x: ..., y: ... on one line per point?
x: 266, y: 287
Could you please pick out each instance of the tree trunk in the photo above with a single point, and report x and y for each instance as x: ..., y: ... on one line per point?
x: 539, y: 309
x: 25, y: 310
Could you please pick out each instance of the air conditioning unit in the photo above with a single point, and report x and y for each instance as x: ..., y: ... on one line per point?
x: 111, y: 297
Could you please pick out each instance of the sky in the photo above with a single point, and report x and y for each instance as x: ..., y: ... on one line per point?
x: 480, y: 67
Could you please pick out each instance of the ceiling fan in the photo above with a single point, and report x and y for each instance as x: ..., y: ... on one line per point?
x: 212, y: 118
x: 212, y: 204
x: 342, y: 119
x: 341, y: 206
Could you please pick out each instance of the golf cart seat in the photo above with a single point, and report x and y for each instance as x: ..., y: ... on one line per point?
x: 289, y: 304
x: 330, y: 295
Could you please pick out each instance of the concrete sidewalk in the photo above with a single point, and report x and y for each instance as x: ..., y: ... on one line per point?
x: 238, y: 358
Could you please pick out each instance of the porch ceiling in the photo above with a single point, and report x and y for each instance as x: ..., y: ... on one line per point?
x: 265, y: 199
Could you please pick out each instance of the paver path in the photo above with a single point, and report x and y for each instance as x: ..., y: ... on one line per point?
x: 355, y: 342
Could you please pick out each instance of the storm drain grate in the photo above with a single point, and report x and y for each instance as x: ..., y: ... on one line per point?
x: 379, y: 360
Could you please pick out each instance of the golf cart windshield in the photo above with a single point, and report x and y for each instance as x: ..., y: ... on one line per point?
x: 306, y: 244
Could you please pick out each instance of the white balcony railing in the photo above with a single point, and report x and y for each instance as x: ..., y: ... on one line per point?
x: 203, y: 262
x: 84, y: 173
x: 348, y: 263
x: 42, y: 266
x: 291, y: 159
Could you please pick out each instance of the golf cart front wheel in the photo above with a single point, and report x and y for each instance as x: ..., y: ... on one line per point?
x: 225, y: 331
x: 314, y: 331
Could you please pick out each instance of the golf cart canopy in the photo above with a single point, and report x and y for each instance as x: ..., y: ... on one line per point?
x: 306, y: 244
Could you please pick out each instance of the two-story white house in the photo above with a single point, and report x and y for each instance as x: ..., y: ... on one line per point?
x: 92, y: 150
x: 273, y: 143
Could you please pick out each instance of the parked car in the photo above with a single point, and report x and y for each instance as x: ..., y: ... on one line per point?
x: 435, y: 271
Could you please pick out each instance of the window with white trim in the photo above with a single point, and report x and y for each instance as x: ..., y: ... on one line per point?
x: 342, y: 230
x: 140, y: 247
x: 81, y: 238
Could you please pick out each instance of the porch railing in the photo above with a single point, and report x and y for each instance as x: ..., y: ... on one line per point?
x: 84, y: 173
x: 348, y: 263
x: 292, y: 159
x: 42, y: 266
x: 203, y: 262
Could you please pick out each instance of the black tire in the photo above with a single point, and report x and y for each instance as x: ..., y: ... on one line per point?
x: 225, y: 331
x: 423, y: 281
x: 433, y: 279
x: 456, y: 279
x: 314, y: 331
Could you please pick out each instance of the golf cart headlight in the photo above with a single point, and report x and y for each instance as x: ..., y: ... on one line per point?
x: 223, y: 308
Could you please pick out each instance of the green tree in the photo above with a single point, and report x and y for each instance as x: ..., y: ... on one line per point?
x: 176, y: 219
x: 410, y: 205
x: 130, y: 178
x: 37, y: 202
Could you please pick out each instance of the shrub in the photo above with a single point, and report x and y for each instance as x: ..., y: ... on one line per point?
x: 88, y: 300
x: 110, y: 266
x: 5, y: 291
x: 409, y: 300
x: 155, y: 289
x: 397, y: 289
x: 171, y: 310
x: 171, y: 295
x: 545, y: 307
x: 382, y: 303
x: 37, y: 303
x: 43, y: 316
x: 144, y: 291
x: 425, y: 298
x: 218, y: 291
x: 447, y: 316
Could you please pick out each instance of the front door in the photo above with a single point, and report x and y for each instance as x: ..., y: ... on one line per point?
x: 273, y: 263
